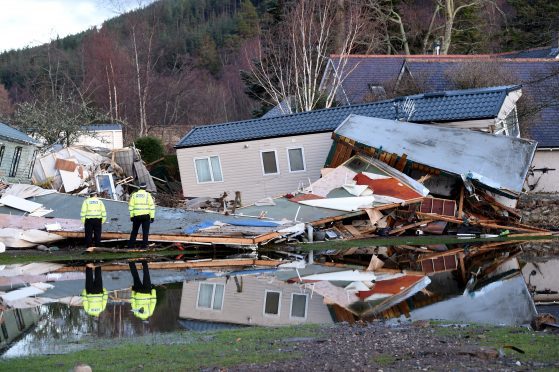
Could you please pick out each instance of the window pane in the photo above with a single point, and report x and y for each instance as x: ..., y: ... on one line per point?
x: 272, y: 303
x: 216, y: 169
x: 298, y: 306
x: 296, y: 160
x: 203, y: 170
x: 269, y: 161
x: 218, y: 296
x: 205, y: 295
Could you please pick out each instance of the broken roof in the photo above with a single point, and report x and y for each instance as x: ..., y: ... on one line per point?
x: 13, y: 134
x: 453, y: 105
x: 497, y: 161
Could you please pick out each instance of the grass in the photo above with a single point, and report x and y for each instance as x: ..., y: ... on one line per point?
x: 383, y: 360
x: 538, y: 346
x: 15, y: 257
x: 187, y: 351
x: 409, y: 240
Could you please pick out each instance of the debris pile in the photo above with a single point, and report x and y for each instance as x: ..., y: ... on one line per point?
x: 80, y: 169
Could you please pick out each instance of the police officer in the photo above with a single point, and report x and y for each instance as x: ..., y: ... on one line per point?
x: 94, y: 295
x: 142, y: 213
x: 144, y: 297
x: 93, y: 215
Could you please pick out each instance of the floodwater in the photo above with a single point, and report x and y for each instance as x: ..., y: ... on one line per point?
x: 192, y: 301
x: 61, y: 328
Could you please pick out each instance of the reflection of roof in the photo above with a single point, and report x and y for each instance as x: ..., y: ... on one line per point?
x: 446, y: 106
x: 99, y: 127
x: 15, y: 135
x: 539, y: 78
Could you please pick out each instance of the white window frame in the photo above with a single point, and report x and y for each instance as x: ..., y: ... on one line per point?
x: 211, y: 170
x: 279, y: 304
x: 262, y: 162
x: 289, y: 159
x: 211, y: 308
x: 306, y: 306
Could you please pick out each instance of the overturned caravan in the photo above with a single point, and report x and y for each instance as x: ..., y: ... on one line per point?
x: 496, y: 163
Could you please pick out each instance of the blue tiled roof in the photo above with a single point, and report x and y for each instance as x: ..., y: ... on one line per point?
x: 13, y: 134
x: 111, y: 126
x: 445, y: 106
x: 539, y: 79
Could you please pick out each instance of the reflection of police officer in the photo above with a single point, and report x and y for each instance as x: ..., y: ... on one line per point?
x: 93, y: 215
x: 94, y: 296
x: 144, y: 297
x: 142, y: 213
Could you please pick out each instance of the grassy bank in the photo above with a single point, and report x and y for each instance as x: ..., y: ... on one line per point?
x: 537, y: 346
x: 184, y: 350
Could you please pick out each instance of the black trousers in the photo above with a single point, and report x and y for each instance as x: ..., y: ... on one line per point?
x: 93, y: 231
x: 93, y: 285
x: 137, y: 221
x: 139, y: 286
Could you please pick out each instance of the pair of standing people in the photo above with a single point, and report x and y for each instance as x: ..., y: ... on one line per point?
x: 142, y: 300
x: 142, y: 213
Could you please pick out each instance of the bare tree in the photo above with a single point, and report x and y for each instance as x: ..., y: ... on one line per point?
x: 386, y: 12
x: 291, y: 60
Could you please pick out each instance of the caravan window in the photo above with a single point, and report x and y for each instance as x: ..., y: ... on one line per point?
x: 269, y: 162
x: 208, y: 169
x: 272, y: 303
x: 298, y: 305
x: 210, y: 296
x: 296, y: 159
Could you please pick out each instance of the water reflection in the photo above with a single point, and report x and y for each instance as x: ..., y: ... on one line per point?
x: 62, y: 328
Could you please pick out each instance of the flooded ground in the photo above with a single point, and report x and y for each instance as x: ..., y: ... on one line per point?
x: 52, y: 320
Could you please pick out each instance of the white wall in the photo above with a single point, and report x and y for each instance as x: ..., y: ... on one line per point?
x: 549, y: 182
x: 111, y: 139
x: 242, y: 167
x: 247, y: 307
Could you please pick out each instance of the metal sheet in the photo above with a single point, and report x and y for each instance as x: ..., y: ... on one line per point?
x: 502, y: 161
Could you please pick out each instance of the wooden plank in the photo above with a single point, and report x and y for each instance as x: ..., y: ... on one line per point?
x: 433, y: 216
x: 184, y: 265
x: 432, y: 256
x: 461, y: 202
x: 401, y: 164
x: 407, y: 227
x: 352, y: 230
x: 337, y: 218
x: 501, y: 227
x: 166, y: 238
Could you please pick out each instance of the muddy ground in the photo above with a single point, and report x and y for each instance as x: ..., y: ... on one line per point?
x: 417, y: 346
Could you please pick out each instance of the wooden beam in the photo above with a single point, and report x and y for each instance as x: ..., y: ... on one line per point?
x: 434, y: 216
x: 175, y: 238
x: 185, y: 265
x: 407, y: 227
x: 451, y: 252
x: 461, y: 202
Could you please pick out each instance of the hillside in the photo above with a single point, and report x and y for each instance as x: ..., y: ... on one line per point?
x: 177, y: 63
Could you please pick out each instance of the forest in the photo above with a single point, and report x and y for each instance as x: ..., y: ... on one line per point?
x: 174, y: 64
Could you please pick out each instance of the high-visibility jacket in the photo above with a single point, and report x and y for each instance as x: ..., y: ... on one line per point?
x: 143, y: 304
x: 141, y: 203
x: 94, y: 304
x: 93, y: 208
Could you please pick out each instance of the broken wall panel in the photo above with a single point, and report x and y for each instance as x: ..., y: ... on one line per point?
x: 448, y: 149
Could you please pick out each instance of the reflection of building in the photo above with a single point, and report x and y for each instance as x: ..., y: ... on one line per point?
x: 261, y: 300
x: 543, y: 279
x: 15, y: 322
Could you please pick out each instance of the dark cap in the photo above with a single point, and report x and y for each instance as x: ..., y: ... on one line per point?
x: 143, y: 186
